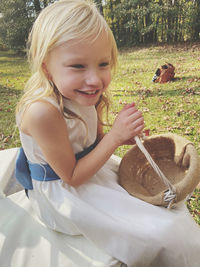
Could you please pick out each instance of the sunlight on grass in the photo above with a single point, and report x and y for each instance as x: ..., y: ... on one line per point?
x: 13, y: 75
x: 171, y: 107
x: 14, y: 71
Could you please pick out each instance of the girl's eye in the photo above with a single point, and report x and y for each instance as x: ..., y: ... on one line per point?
x: 104, y: 64
x: 77, y: 66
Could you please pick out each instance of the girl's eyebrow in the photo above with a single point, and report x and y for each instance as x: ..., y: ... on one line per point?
x: 106, y: 57
x: 71, y: 60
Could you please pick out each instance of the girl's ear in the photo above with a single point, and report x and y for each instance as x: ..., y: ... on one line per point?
x: 44, y: 67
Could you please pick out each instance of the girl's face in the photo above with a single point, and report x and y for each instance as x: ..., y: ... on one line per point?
x: 81, y: 70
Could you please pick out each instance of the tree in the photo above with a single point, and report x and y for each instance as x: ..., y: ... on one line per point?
x: 196, y: 20
x: 149, y: 21
x: 15, y: 23
x: 17, y: 19
x: 99, y: 5
x: 132, y: 21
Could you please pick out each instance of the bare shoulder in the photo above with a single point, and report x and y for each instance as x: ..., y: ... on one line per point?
x: 42, y: 110
x: 40, y: 114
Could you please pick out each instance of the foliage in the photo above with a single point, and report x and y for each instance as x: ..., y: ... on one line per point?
x: 144, y: 21
x: 16, y: 21
x: 132, y: 21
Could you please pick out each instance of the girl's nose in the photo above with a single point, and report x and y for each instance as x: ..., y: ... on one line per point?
x: 93, y: 79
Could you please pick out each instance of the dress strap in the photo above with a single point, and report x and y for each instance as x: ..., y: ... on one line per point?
x: 25, y: 171
x: 86, y: 151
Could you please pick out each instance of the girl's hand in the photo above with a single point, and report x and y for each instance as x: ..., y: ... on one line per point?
x: 128, y: 124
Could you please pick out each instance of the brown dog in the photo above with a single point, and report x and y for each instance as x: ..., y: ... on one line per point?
x: 164, y: 74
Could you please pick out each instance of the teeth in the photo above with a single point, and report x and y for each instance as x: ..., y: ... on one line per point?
x: 90, y: 93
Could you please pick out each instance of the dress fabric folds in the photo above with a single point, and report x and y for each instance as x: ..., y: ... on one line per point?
x: 130, y: 230
x: 26, y: 242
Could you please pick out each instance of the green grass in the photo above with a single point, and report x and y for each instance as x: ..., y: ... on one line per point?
x: 172, y: 107
x: 13, y: 76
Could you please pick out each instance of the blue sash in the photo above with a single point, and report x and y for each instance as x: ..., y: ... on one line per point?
x: 25, y: 171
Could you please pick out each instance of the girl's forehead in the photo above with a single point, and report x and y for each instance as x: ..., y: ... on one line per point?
x: 102, y: 38
x: 100, y: 44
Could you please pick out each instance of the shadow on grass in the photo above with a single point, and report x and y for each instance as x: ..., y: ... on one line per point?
x: 12, y: 54
x: 182, y: 90
x: 15, y: 60
x: 8, y: 75
x: 149, y: 93
x: 187, y: 78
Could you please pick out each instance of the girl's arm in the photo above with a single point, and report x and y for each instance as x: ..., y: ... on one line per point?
x: 47, y: 126
x: 100, y: 132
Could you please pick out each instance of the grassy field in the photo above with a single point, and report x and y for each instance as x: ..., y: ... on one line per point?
x: 172, y: 107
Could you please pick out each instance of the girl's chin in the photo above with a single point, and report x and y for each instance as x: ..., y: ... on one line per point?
x: 85, y: 102
x: 88, y: 99
x: 85, y: 99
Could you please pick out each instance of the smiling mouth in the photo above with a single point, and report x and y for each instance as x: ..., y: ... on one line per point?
x: 94, y: 92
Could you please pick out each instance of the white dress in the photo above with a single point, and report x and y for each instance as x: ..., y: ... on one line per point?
x: 26, y: 242
x: 128, y: 229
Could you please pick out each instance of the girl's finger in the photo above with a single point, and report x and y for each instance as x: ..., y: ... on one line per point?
x: 129, y: 105
x: 138, y: 130
x: 136, y: 115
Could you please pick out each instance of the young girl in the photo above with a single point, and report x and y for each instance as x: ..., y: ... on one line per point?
x: 73, y: 184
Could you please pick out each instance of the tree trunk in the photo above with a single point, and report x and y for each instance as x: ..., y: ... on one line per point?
x: 45, y: 3
x: 197, y: 21
x: 100, y: 6
x: 37, y: 6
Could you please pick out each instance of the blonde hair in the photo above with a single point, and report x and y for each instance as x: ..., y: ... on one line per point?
x: 60, y: 22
